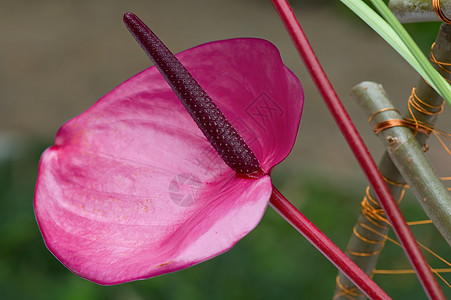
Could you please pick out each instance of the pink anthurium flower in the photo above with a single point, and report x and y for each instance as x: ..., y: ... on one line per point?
x: 133, y: 189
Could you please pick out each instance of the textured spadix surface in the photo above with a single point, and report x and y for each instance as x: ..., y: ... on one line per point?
x: 132, y: 189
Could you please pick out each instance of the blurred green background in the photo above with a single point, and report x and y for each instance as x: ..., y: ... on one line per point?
x: 272, y: 262
x: 57, y: 58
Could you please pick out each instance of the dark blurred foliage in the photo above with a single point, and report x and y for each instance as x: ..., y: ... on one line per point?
x: 272, y: 262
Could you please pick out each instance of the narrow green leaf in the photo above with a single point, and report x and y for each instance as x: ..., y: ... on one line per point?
x: 395, y: 34
x: 443, y: 88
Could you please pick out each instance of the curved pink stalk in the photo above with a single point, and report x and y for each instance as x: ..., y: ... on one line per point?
x: 359, y: 149
x: 326, y: 246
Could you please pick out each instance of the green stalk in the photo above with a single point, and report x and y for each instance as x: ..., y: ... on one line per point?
x: 408, y: 156
x: 375, y: 230
x: 405, y: 155
x: 368, y: 237
x: 411, y: 11
x: 293, y: 216
x: 359, y: 149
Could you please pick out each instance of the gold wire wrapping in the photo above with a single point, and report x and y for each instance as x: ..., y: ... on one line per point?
x: 420, y: 106
x: 352, y: 293
x: 441, y: 65
x: 371, y: 209
x: 439, y: 12
x: 415, y: 103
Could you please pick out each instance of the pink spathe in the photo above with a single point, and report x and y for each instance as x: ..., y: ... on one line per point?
x: 132, y: 189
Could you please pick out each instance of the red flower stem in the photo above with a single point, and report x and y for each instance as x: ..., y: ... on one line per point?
x: 326, y: 246
x: 359, y: 149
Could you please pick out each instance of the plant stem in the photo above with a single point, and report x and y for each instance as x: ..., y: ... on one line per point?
x: 407, y: 11
x: 371, y: 231
x: 408, y: 156
x: 359, y: 149
x: 325, y: 246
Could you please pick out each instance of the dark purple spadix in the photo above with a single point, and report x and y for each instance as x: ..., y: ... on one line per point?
x: 211, y: 121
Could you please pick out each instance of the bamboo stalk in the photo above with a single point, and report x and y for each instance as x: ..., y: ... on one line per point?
x: 407, y: 156
x: 369, y: 228
x: 369, y: 232
x: 318, y: 239
x: 359, y: 149
x: 409, y: 11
